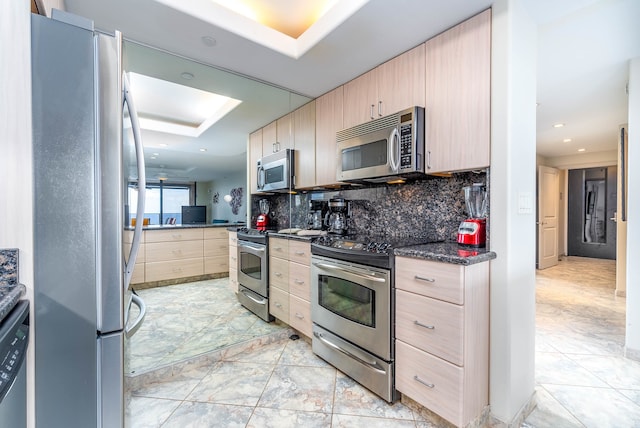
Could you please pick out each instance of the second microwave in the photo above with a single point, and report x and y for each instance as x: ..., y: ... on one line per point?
x: 275, y: 172
x: 383, y: 149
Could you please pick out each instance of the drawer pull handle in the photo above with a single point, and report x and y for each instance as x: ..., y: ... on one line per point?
x: 299, y: 253
x: 278, y: 274
x: 178, y: 236
x: 421, y: 278
x: 430, y: 327
x: 233, y: 258
x: 278, y: 305
x: 428, y: 385
x: 299, y: 282
x: 299, y: 316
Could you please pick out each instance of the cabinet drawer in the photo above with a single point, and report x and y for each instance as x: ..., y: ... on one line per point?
x: 141, y: 252
x: 279, y: 273
x: 430, y: 325
x: 233, y: 258
x: 173, y: 235
x: 300, y: 252
x: 216, y: 264
x: 300, y: 280
x: 443, y: 281
x: 233, y: 280
x: 233, y: 239
x: 127, y: 236
x: 300, y: 315
x: 279, y: 304
x: 138, y: 274
x: 432, y: 382
x: 158, y: 271
x: 216, y: 233
x: 216, y: 247
x: 165, y: 251
x: 279, y: 248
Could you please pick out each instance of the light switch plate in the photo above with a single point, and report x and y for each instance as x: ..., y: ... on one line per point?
x: 525, y: 203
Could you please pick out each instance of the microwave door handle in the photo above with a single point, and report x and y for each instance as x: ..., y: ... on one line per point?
x: 394, y: 150
x: 260, y: 175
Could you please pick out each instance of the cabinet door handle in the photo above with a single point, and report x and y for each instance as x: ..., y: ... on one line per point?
x: 372, y: 106
x: 427, y: 384
x: 299, y: 316
x: 428, y: 159
x: 418, y: 323
x: 299, y: 282
x: 278, y: 305
x: 299, y: 253
x: 379, y: 108
x: 422, y: 278
x: 278, y: 274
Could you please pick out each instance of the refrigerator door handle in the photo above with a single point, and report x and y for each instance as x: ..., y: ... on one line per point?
x: 131, y: 330
x: 142, y: 181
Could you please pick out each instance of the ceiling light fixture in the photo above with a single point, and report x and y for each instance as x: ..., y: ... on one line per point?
x: 567, y: 140
x: 187, y: 76
x: 202, y: 149
x: 156, y: 154
x: 558, y: 125
x: 582, y: 150
x: 163, y: 144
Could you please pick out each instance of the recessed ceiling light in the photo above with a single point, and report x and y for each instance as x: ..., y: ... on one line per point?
x: 582, y: 150
x: 558, y: 125
x: 153, y: 157
x: 208, y: 41
x: 202, y: 149
x: 186, y: 75
x: 156, y: 154
x: 163, y: 144
x: 567, y: 140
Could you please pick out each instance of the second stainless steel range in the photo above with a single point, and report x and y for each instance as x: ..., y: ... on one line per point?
x: 253, y: 273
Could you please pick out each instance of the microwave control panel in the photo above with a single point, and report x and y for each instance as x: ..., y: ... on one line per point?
x: 406, y: 146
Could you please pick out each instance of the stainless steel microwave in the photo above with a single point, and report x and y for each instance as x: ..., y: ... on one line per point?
x: 383, y: 149
x: 276, y: 171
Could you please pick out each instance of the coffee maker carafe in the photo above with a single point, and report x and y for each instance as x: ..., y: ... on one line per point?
x: 317, y: 212
x: 337, y: 217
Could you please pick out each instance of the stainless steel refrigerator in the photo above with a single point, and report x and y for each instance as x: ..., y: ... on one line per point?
x: 83, y: 152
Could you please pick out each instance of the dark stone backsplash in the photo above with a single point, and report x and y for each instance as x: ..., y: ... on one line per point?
x: 431, y: 208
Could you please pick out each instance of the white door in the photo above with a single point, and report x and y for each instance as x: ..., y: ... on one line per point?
x: 548, y: 201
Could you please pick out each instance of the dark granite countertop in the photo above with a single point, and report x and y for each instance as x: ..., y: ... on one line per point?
x: 10, y: 294
x: 447, y: 252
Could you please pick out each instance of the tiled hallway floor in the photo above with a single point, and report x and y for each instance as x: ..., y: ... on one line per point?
x: 582, y: 378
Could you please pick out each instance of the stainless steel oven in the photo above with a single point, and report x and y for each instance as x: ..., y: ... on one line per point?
x: 352, y: 310
x: 253, y: 274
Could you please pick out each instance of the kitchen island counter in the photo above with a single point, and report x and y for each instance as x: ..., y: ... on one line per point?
x: 186, y: 226
x: 447, y: 252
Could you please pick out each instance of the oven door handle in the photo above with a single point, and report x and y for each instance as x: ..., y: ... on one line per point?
x: 371, y: 363
x: 260, y: 302
x: 256, y: 248
x: 368, y: 276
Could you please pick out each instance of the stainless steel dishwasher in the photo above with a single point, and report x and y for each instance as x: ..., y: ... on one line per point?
x: 14, y: 337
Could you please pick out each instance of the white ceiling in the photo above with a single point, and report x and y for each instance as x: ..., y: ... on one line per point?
x: 584, y: 46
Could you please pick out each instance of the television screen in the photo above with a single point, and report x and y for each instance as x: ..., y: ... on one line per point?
x: 193, y: 214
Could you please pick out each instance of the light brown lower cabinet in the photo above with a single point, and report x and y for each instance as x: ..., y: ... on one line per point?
x: 442, y: 337
x: 233, y: 261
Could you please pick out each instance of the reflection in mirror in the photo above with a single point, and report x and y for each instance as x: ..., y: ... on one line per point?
x: 195, y: 145
x: 196, y: 121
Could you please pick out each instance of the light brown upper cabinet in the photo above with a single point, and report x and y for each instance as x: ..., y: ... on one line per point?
x: 304, y: 141
x: 278, y: 135
x: 458, y: 78
x: 255, y: 153
x: 393, y: 86
x: 328, y: 122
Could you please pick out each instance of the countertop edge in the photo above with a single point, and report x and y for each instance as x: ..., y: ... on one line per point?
x: 10, y: 294
x: 187, y: 226
x: 447, y: 252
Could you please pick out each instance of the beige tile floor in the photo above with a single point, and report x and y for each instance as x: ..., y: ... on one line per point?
x: 582, y: 378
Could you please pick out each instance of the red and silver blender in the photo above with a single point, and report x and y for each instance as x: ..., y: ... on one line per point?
x: 262, y: 223
x: 473, y: 231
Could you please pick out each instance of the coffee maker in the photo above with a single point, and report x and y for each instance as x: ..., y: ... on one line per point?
x: 317, y: 211
x: 262, y: 223
x: 337, y: 217
x: 473, y: 231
